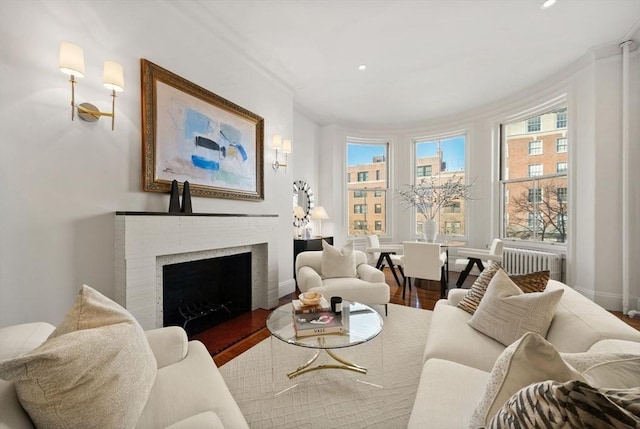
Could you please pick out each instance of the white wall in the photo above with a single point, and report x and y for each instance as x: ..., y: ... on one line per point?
x: 305, y: 162
x: 62, y: 181
x: 593, y: 91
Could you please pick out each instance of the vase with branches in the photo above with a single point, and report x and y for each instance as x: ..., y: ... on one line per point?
x: 431, y: 194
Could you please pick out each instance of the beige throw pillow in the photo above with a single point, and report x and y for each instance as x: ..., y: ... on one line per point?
x: 529, y: 360
x: 532, y: 282
x: 94, y: 371
x: 607, y: 370
x: 338, y: 262
x: 506, y: 313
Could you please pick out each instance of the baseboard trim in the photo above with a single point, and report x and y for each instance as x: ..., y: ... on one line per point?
x: 286, y: 287
x: 609, y: 301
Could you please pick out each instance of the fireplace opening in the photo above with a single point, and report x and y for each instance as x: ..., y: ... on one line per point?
x: 203, y: 293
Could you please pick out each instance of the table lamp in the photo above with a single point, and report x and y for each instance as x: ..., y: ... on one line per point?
x: 319, y: 213
x: 298, y: 213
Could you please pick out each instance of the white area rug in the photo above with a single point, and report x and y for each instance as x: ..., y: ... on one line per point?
x: 332, y: 398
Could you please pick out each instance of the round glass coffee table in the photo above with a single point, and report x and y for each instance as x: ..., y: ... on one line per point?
x: 361, y: 322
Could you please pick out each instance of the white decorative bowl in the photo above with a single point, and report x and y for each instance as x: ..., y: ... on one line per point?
x: 310, y: 298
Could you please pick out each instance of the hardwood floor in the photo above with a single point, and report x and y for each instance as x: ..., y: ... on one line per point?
x: 424, y: 295
x: 634, y: 323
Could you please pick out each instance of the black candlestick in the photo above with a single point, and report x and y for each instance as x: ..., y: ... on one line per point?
x: 174, y: 199
x: 186, y: 199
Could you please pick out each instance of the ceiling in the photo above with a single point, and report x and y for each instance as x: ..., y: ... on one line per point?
x: 425, y: 59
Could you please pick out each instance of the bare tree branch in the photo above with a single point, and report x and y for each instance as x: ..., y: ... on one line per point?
x: 429, y: 196
x: 548, y: 205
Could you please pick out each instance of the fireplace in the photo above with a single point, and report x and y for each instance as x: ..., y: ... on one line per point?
x: 203, y: 293
x: 146, y: 242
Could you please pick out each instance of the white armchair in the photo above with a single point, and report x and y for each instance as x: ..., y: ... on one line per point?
x: 476, y: 259
x: 368, y: 287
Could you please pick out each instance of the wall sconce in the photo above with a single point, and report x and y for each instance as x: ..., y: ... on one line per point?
x: 319, y: 213
x: 71, y: 62
x: 285, y: 146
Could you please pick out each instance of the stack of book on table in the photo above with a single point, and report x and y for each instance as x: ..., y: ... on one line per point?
x: 315, y: 319
x: 317, y: 323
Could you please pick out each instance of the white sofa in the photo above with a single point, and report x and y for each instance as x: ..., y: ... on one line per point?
x: 188, y: 391
x: 368, y: 287
x: 458, y: 359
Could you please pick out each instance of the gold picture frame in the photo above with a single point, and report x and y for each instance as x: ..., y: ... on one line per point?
x: 191, y: 134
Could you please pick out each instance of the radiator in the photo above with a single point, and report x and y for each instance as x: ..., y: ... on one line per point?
x: 524, y: 261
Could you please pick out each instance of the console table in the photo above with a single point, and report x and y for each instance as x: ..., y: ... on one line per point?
x: 303, y: 245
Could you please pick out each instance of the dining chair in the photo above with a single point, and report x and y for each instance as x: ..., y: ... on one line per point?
x: 422, y: 260
x: 476, y: 259
x: 373, y: 242
x: 391, y: 259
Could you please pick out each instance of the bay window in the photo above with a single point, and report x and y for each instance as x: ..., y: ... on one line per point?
x: 535, y: 204
x: 367, y: 163
x: 441, y: 159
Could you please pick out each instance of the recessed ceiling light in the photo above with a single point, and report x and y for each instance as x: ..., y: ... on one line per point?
x: 547, y: 4
x: 362, y: 67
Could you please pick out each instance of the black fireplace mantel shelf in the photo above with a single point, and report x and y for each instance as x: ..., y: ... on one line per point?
x: 119, y: 213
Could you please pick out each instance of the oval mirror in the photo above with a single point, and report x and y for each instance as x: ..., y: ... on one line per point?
x: 302, y: 202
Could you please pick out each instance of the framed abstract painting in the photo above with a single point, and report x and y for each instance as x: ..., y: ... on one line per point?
x: 191, y: 134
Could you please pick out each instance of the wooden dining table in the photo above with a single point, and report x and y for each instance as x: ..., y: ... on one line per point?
x: 386, y: 250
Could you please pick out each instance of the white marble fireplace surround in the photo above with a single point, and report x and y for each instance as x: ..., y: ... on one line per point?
x: 145, y: 242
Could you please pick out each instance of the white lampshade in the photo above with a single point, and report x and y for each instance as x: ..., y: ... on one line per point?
x: 286, y: 146
x: 320, y: 213
x: 113, y: 76
x: 276, y: 143
x: 298, y: 212
x: 71, y: 59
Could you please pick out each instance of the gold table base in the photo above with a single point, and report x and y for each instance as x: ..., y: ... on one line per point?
x: 345, y: 365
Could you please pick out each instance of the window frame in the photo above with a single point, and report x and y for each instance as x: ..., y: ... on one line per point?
x: 561, y: 119
x: 422, y: 169
x: 538, y: 148
x: 564, y: 194
x: 464, y: 212
x: 561, y: 101
x: 378, y: 192
x: 534, y: 124
x: 562, y: 163
x: 360, y: 209
x: 565, y: 145
x: 529, y: 170
x: 360, y: 223
x: 535, y: 195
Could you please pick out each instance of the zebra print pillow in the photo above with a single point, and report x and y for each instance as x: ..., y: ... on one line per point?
x: 532, y: 282
x: 471, y: 300
x: 573, y: 404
